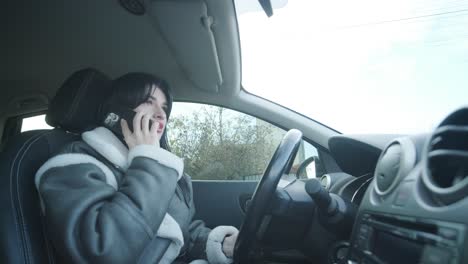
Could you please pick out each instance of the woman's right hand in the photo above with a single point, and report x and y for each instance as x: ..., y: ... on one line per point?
x: 142, y: 133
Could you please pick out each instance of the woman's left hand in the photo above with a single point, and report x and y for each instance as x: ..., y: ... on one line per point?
x: 228, y: 244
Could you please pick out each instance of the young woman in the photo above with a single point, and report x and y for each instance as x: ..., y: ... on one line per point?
x: 123, y: 197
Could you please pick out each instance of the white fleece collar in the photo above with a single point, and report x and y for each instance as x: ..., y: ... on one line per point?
x: 108, y: 145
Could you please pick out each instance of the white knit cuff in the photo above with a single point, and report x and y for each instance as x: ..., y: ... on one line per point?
x: 199, y: 261
x: 214, y: 244
x: 161, y: 155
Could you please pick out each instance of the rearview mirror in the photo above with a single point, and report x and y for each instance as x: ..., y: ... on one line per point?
x: 267, y: 6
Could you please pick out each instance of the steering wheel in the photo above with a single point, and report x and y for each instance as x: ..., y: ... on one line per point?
x: 280, y: 163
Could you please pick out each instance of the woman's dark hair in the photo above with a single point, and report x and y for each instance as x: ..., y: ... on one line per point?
x: 133, y: 89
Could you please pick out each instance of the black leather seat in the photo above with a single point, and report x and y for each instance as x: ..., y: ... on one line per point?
x: 73, y: 110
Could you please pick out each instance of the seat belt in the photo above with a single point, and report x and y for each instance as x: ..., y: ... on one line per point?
x: 154, y: 252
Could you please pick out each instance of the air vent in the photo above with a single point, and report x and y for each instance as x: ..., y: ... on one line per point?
x: 395, y: 162
x: 445, y: 171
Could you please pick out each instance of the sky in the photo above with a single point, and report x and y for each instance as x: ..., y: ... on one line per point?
x: 361, y: 66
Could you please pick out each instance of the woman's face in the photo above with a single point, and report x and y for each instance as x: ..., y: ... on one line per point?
x: 156, y: 107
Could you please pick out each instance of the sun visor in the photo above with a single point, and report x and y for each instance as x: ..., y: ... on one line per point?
x: 188, y: 28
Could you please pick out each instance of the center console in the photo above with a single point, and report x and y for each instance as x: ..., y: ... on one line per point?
x: 384, y: 238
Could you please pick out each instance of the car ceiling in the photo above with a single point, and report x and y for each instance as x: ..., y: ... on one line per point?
x: 190, y: 43
x: 194, y: 44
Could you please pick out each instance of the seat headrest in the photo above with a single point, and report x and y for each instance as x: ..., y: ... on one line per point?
x: 76, y: 105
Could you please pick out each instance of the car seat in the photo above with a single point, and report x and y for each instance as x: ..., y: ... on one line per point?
x: 74, y: 109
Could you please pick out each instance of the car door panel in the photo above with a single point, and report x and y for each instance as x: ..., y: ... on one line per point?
x: 222, y: 202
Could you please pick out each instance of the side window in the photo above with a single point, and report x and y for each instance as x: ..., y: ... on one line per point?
x: 15, y: 125
x: 221, y: 144
x: 34, y: 122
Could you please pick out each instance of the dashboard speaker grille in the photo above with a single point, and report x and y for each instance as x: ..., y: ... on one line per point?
x: 135, y: 7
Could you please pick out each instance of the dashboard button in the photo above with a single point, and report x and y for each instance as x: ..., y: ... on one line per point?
x: 364, y: 230
x: 448, y: 233
x: 434, y: 255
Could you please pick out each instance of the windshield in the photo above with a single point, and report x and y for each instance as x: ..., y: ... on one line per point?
x: 359, y: 66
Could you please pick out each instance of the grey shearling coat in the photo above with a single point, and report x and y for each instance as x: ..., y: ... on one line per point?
x: 105, y: 204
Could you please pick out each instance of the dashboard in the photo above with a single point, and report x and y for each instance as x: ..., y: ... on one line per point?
x: 411, y: 194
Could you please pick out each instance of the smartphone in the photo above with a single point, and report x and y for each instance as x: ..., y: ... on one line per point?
x: 114, y: 114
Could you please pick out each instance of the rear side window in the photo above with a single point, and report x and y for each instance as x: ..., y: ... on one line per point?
x: 34, y: 122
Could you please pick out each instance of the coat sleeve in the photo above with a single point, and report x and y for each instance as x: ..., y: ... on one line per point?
x: 93, y: 219
x: 198, y: 238
x: 207, y: 243
x: 197, y: 231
